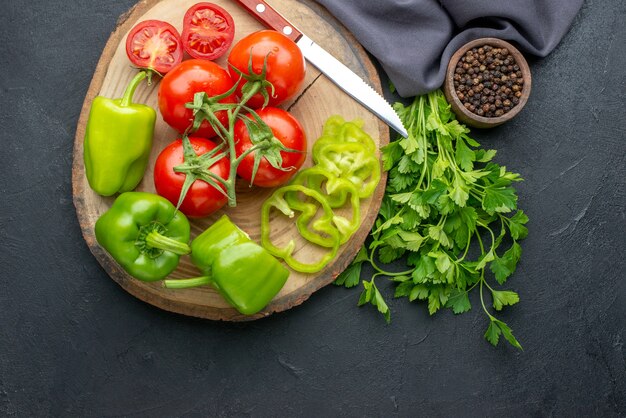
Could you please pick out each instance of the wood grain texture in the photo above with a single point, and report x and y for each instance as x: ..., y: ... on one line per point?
x: 318, y: 100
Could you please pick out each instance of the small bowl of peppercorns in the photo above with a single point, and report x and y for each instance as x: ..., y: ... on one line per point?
x: 487, y: 82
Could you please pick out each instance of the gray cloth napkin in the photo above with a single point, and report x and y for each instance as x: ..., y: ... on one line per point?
x: 414, y: 39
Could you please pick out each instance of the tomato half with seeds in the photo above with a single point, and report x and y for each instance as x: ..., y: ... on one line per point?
x: 289, y: 132
x: 208, y: 31
x: 285, y: 64
x: 180, y: 85
x: 154, y: 45
x: 202, y: 199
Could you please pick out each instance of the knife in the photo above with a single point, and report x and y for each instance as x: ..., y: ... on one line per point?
x: 341, y: 75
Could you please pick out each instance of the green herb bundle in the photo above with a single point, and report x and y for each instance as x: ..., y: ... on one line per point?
x: 444, y: 203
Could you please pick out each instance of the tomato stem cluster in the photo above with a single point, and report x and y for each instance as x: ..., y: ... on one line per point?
x: 265, y: 145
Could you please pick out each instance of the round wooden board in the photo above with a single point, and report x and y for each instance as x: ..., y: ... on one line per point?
x: 318, y: 100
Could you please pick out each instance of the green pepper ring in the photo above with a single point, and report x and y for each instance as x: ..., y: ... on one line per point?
x: 367, y: 168
x: 336, y: 194
x: 277, y: 200
x: 348, y: 132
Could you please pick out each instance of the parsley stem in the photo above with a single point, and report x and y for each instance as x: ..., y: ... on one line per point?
x: 380, y: 271
x: 469, y: 241
x: 482, y: 300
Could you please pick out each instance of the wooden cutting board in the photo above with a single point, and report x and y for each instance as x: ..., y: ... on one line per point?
x: 319, y: 99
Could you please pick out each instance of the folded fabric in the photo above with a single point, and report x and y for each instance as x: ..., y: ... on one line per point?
x: 414, y: 39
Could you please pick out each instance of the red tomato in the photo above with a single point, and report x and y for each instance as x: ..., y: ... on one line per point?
x: 179, y: 86
x: 202, y: 199
x: 155, y: 45
x: 287, y: 130
x: 208, y: 31
x: 285, y: 64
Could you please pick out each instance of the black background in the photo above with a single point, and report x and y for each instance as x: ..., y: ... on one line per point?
x: 73, y: 343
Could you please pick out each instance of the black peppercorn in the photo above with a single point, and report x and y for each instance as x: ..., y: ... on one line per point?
x: 488, y: 81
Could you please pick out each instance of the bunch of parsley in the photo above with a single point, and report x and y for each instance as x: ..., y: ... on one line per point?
x: 449, y: 210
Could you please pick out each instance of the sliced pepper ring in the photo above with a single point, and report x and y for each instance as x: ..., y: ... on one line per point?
x: 335, y: 191
x: 324, y: 224
x: 351, y: 161
x: 348, y: 132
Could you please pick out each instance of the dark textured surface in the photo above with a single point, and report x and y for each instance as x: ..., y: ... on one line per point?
x: 72, y: 343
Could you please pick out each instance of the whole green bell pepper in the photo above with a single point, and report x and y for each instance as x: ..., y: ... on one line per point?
x: 244, y: 273
x: 118, y: 140
x: 145, y: 234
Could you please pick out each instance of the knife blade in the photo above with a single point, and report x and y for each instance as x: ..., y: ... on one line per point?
x: 334, y: 69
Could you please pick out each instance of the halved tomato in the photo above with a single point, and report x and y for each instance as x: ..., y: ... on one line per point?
x: 154, y: 45
x: 208, y: 31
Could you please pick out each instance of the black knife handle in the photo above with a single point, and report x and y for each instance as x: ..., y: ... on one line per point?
x: 265, y: 14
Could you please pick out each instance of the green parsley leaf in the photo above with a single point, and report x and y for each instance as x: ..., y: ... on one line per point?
x: 465, y: 157
x: 458, y: 301
x: 503, y: 267
x: 373, y: 296
x: 387, y: 254
x: 408, y: 166
x: 437, y: 233
x: 399, y: 182
x: 508, y: 334
x: 403, y: 289
x: 516, y: 225
x: 379, y: 302
x: 493, y: 333
x: 391, y: 154
x: 504, y: 297
x: 459, y: 191
x: 499, y: 199
x: 350, y: 277
x: 442, y: 262
x: 484, y: 156
x: 412, y: 240
x: 419, y: 291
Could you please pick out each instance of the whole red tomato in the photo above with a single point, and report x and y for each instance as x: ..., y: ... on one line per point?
x: 179, y: 86
x: 202, y: 199
x: 285, y: 64
x: 287, y: 130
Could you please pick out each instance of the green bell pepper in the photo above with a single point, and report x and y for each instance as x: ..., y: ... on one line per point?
x: 244, y: 273
x: 118, y: 140
x: 145, y: 234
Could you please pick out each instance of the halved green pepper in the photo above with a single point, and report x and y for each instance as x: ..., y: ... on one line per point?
x: 118, y: 140
x: 145, y: 234
x: 244, y: 273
